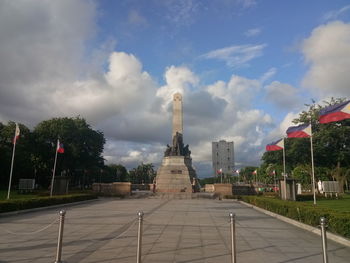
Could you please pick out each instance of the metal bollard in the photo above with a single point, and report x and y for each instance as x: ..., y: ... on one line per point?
x: 139, y: 237
x: 323, y: 222
x: 62, y: 214
x: 233, y: 238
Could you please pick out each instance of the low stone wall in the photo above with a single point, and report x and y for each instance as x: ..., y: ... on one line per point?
x: 140, y: 187
x: 118, y: 188
x: 229, y: 189
x: 223, y: 189
x: 209, y: 188
x: 243, y: 190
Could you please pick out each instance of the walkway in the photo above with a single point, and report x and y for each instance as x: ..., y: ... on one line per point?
x: 174, y: 231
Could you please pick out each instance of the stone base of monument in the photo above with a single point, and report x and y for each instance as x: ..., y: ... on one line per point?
x: 175, y: 175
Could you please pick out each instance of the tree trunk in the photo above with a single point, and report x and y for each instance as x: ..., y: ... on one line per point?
x: 340, y: 177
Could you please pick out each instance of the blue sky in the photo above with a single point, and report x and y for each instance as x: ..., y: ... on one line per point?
x: 245, y: 68
x: 163, y: 33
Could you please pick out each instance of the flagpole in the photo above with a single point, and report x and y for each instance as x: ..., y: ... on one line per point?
x: 13, y: 158
x: 284, y: 158
x: 312, y: 166
x: 54, y: 170
x: 284, y: 170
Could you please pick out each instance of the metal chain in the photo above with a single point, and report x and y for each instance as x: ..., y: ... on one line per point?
x: 122, y: 234
x: 118, y: 236
x: 29, y: 233
x: 148, y: 223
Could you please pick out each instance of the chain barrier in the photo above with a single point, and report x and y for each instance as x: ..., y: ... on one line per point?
x: 323, y: 226
x: 149, y: 223
x: 142, y: 222
x: 118, y: 236
x: 233, y: 237
x: 140, y: 215
x: 29, y: 233
x: 124, y: 232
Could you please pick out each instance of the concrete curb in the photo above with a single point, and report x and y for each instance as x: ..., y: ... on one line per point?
x: 45, y: 208
x: 339, y: 239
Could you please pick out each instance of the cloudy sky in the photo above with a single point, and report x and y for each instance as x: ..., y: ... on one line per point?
x: 245, y: 69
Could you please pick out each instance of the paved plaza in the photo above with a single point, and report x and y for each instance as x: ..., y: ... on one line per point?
x: 175, y: 230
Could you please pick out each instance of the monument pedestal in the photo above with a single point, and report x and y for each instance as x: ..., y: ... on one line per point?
x: 175, y: 175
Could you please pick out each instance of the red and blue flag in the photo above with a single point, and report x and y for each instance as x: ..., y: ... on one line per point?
x: 17, y: 133
x: 337, y: 112
x: 275, y: 146
x: 300, y: 131
x: 60, y: 148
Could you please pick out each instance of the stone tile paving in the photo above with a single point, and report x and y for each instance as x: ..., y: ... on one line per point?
x: 175, y: 230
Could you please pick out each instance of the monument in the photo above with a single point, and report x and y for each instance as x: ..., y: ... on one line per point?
x: 176, y: 174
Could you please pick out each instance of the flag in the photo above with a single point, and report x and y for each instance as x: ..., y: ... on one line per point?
x: 60, y: 148
x: 17, y: 132
x: 254, y: 173
x: 219, y: 171
x: 237, y: 171
x: 275, y: 146
x: 300, y: 131
x: 337, y: 112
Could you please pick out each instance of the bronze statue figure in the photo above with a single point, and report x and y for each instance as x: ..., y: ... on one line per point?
x: 178, y: 148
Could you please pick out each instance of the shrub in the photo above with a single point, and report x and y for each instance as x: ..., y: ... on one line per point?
x: 21, y: 204
x: 338, y: 222
x: 310, y: 197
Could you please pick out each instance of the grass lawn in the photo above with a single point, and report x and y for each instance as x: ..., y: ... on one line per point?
x: 340, y: 205
x: 15, y: 195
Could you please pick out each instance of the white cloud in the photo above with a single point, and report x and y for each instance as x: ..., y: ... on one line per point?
x: 41, y: 47
x: 334, y: 14
x: 132, y: 154
x: 268, y: 74
x: 178, y: 79
x: 283, y: 95
x: 279, y: 131
x: 239, y: 91
x: 135, y: 157
x: 253, y: 32
x: 327, y: 51
x: 236, y: 55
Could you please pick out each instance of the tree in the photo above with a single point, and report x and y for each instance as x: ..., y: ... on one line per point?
x: 331, y: 146
x: 303, y: 174
x: 246, y: 174
x: 332, y: 141
x: 83, y: 148
x: 22, y: 162
x: 143, y: 174
x: 118, y: 172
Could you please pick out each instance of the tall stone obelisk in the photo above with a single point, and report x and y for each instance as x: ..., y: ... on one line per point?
x: 176, y: 173
x: 177, y: 114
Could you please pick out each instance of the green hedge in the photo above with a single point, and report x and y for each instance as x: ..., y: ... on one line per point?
x: 21, y: 204
x: 338, y: 222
